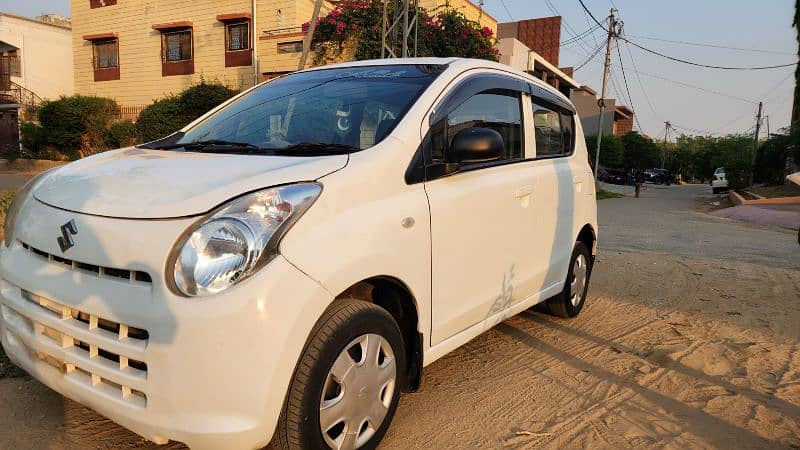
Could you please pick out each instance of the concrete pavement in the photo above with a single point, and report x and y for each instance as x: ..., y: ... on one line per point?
x: 13, y: 180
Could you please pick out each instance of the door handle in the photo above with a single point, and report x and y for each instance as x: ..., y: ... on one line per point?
x: 524, y: 191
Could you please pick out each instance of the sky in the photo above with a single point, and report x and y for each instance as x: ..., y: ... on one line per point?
x: 660, y: 90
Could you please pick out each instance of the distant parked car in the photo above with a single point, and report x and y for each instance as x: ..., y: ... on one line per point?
x: 615, y: 176
x: 661, y: 176
x: 719, y: 183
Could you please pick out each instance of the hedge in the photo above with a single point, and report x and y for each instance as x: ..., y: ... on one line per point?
x: 172, y: 113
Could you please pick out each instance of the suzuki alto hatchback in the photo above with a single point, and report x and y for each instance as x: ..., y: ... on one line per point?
x: 285, y: 266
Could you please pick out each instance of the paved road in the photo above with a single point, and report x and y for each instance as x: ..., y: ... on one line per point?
x: 783, y: 215
x: 689, y: 340
x: 670, y: 219
x: 13, y: 180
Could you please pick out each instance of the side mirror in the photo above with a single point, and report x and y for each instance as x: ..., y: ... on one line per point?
x: 475, y: 145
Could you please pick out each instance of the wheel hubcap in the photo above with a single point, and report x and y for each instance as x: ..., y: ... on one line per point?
x: 358, y: 391
x: 579, y: 272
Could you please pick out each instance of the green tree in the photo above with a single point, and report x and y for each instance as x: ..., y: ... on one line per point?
x: 356, y: 25
x: 170, y: 114
x: 76, y: 126
x: 611, y: 150
x: 639, y: 152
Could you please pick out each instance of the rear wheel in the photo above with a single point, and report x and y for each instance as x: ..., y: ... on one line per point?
x: 347, y: 384
x: 571, y: 300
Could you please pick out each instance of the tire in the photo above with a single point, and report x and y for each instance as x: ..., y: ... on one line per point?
x: 336, y: 335
x: 562, y: 305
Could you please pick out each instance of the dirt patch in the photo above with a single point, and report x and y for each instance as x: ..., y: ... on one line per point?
x: 785, y: 190
x: 678, y: 352
x: 7, y: 368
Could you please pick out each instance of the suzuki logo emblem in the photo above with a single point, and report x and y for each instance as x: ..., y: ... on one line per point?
x: 65, y: 241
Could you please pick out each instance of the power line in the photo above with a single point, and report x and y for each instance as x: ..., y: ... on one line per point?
x: 701, y: 44
x: 768, y: 94
x: 696, y: 130
x: 691, y: 86
x: 641, y: 85
x: 503, y: 2
x: 625, y: 79
x: 590, y: 58
x: 591, y: 15
x: 684, y: 61
x: 708, y: 66
x: 566, y: 25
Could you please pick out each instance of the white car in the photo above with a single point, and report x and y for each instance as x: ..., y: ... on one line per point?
x: 285, y: 266
x: 718, y: 182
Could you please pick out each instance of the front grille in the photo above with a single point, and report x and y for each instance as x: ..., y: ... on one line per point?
x: 98, y: 354
x: 100, y: 271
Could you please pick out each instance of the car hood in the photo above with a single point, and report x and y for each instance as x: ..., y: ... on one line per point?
x: 156, y: 184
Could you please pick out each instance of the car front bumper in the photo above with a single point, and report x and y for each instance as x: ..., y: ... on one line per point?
x: 209, y: 372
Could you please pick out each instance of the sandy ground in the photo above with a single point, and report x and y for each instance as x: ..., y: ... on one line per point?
x: 690, y: 339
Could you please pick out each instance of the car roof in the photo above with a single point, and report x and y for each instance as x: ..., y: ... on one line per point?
x: 456, y: 64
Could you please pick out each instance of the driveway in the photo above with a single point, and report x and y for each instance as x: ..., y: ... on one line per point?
x: 689, y: 339
x: 13, y: 180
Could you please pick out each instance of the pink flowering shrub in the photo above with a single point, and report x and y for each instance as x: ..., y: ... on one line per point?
x: 359, y: 23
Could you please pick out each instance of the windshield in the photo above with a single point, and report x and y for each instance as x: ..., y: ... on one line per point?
x: 318, y: 112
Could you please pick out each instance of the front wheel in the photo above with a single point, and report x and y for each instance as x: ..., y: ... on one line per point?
x: 571, y: 300
x: 347, y: 383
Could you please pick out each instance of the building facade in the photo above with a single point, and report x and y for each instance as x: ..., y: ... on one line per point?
x: 136, y: 52
x: 470, y: 10
x: 35, y: 64
x: 617, y: 119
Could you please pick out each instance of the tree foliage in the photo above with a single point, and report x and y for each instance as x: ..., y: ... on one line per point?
x: 640, y: 153
x: 358, y: 24
x: 168, y: 115
x: 696, y: 157
x: 611, y: 150
x: 69, y: 128
x: 76, y: 126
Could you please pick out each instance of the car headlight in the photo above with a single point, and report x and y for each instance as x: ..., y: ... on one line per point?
x: 234, y: 241
x: 16, y: 205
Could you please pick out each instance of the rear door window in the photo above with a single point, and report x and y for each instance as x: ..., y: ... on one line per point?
x: 554, y: 128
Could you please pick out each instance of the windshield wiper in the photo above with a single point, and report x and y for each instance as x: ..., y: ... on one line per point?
x: 314, y: 149
x: 219, y: 145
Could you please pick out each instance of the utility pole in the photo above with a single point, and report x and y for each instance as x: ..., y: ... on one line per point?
x: 399, y: 34
x: 612, y: 33
x: 667, y: 126
x: 312, y: 26
x: 755, y: 143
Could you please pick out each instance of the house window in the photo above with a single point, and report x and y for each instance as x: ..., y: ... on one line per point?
x: 11, y: 64
x: 106, y: 54
x: 238, y: 42
x: 238, y: 36
x: 177, y: 54
x: 177, y: 46
x: 100, y: 3
x: 290, y: 47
